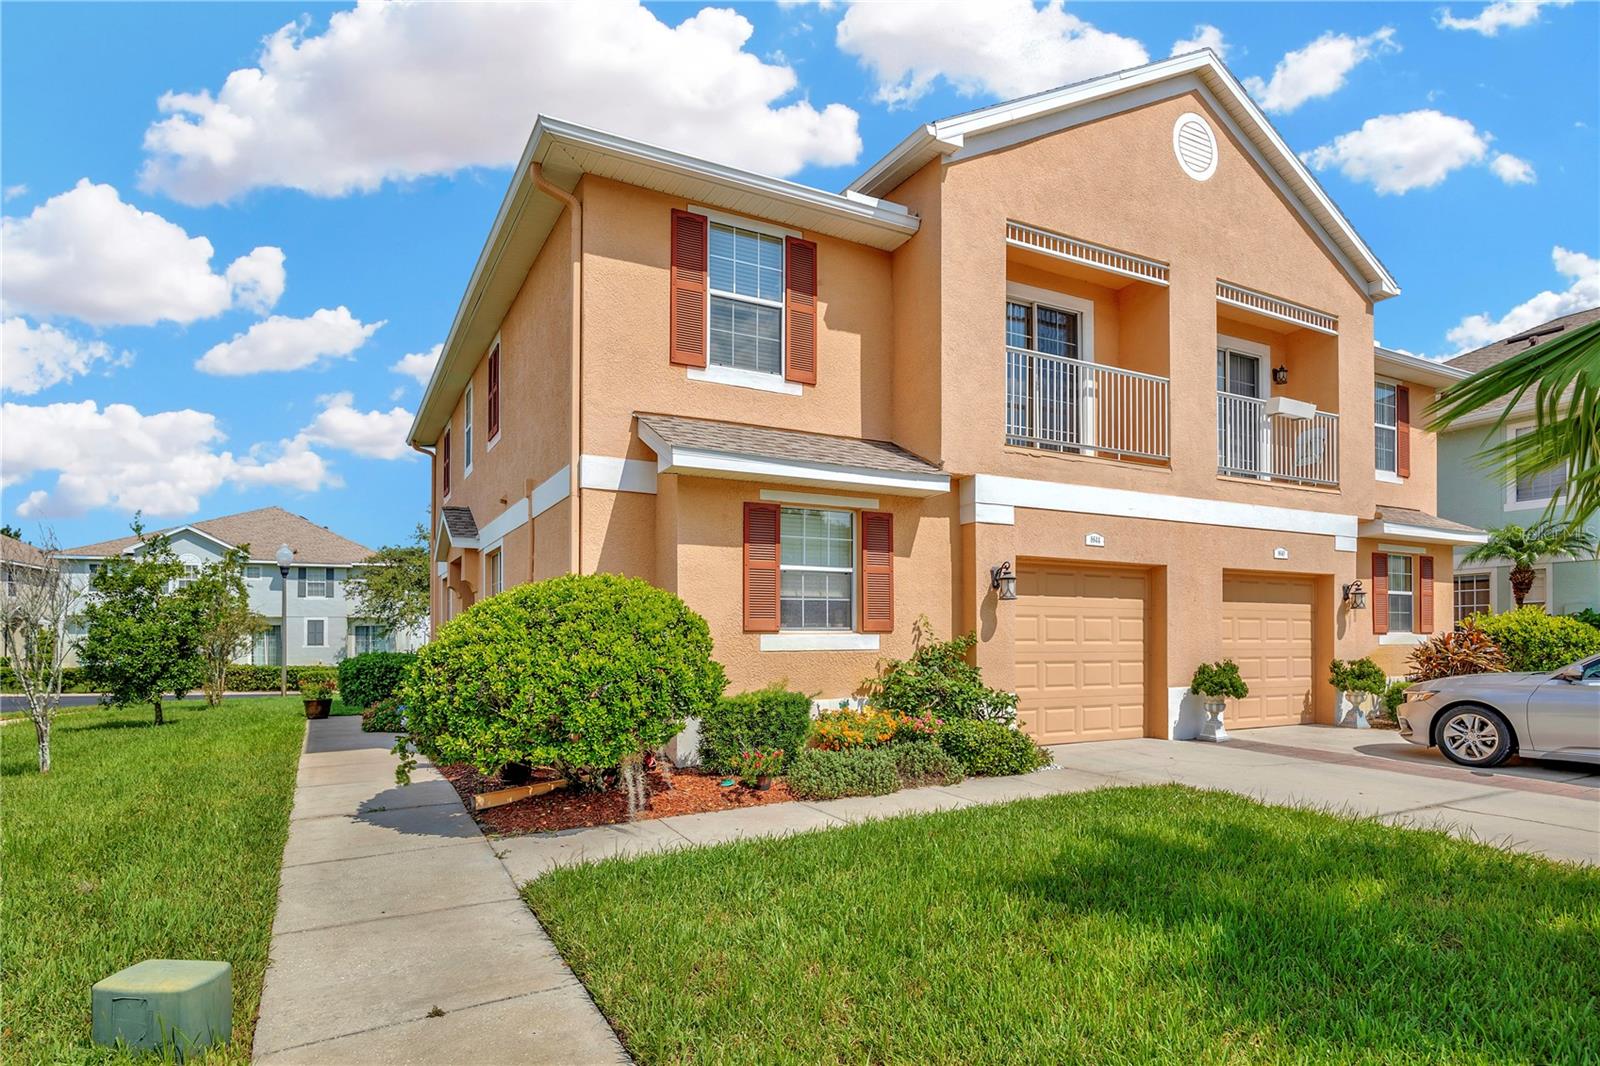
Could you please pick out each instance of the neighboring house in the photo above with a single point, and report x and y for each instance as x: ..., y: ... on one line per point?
x: 1470, y: 494
x: 1112, y: 337
x: 20, y: 563
x: 320, y: 628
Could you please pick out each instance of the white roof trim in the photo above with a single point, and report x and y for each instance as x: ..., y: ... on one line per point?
x: 445, y: 541
x: 1378, y: 527
x: 700, y: 462
x: 1409, y: 367
x: 954, y: 135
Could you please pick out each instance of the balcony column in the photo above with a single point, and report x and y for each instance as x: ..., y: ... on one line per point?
x: 1192, y: 298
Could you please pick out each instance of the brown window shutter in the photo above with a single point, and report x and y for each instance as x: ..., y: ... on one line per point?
x: 761, y: 552
x: 686, y: 316
x: 1425, y: 593
x: 1402, y: 434
x: 444, y: 462
x: 877, y: 572
x: 800, y: 303
x: 1380, y: 592
x: 494, y: 392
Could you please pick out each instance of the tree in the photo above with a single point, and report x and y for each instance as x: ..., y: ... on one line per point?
x: 143, y: 639
x: 392, y: 587
x: 1524, y: 547
x: 35, y: 607
x: 224, y: 622
x: 1564, y: 375
x: 9, y: 530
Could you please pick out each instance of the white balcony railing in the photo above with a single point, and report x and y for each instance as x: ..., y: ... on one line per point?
x: 1250, y: 443
x: 1060, y: 404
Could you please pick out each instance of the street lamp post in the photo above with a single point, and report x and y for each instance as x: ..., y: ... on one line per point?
x: 285, y: 557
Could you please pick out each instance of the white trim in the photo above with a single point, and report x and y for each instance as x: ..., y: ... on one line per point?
x: 616, y: 475
x: 468, y: 426
x: 819, y: 641
x: 673, y: 459
x: 1389, y: 477
x: 490, y: 442
x: 1276, y: 307
x: 445, y: 540
x: 514, y: 517
x: 1494, y: 587
x: 812, y: 499
x: 1244, y: 347
x: 1060, y: 301
x: 743, y: 222
x: 498, y: 548
x: 1344, y: 544
x: 442, y: 570
x: 549, y: 492
x: 1414, y: 368
x: 1086, y: 253
x: 1378, y: 527
x: 305, y: 633
x: 1211, y: 134
x: 1407, y: 639
x: 745, y: 379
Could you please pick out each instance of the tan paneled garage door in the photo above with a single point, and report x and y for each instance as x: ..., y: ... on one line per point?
x: 1267, y: 629
x: 1080, y: 653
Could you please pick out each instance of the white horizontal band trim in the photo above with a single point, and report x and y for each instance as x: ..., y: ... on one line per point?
x: 819, y: 642
x: 1344, y: 544
x: 513, y: 517
x: 869, y: 503
x: 551, y: 491
x: 617, y: 475
x: 1427, y: 533
x: 1088, y: 499
x: 745, y: 379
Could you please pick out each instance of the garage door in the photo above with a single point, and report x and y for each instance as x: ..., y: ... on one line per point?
x: 1267, y: 630
x: 1080, y: 654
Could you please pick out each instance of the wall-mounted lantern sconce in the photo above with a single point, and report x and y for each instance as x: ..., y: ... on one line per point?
x: 1001, y: 577
x: 1356, y: 596
x: 1280, y: 375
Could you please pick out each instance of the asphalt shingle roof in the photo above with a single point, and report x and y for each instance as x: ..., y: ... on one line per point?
x: 13, y: 550
x: 460, y: 523
x: 1501, y: 350
x: 1407, y: 517
x: 790, y: 444
x: 263, y: 529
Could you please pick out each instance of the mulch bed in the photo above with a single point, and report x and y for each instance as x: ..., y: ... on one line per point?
x: 680, y: 792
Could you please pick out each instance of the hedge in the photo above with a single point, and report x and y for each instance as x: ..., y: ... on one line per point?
x: 991, y: 749
x: 1535, y: 642
x: 769, y: 719
x: 376, y: 675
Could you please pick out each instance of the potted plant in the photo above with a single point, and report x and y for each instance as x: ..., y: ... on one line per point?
x: 1361, y: 684
x: 1216, y: 683
x: 757, y: 768
x: 317, y: 692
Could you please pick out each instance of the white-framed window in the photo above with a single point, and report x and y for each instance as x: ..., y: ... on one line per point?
x: 255, y: 572
x: 1473, y: 594
x: 444, y: 599
x: 745, y: 298
x: 267, y: 647
x: 1402, y: 594
x: 494, y: 566
x: 1540, y: 488
x: 316, y: 582
x: 817, y: 574
x: 372, y: 637
x: 1539, y: 591
x: 191, y: 571
x: 1386, y: 427
x: 316, y: 632
x: 466, y: 433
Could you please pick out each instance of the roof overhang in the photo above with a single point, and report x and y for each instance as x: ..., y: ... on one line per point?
x: 991, y: 128
x: 566, y: 152
x: 1378, y: 527
x: 445, y: 543
x: 1408, y: 367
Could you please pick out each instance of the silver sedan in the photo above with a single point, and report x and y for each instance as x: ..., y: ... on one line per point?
x: 1483, y: 719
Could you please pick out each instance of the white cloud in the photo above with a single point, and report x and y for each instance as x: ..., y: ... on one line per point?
x: 1397, y: 153
x: 35, y: 357
x: 1319, y: 69
x: 14, y: 191
x: 117, y: 457
x: 400, y: 91
x: 418, y: 365
x: 374, y: 434
x: 1205, y: 36
x: 1001, y: 48
x: 1501, y: 15
x: 1582, y: 292
x: 257, y: 279
x: 1512, y: 170
x: 283, y: 343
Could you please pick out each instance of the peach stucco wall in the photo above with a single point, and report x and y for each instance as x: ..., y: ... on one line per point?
x: 1420, y: 491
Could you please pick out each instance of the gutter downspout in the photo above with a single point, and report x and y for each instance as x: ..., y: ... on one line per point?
x: 574, y: 491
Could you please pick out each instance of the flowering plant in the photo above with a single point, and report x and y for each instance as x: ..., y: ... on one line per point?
x: 923, y: 726
x: 750, y: 765
x: 843, y: 729
x: 318, y: 688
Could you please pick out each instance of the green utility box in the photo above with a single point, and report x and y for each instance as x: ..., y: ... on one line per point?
x: 182, y: 1004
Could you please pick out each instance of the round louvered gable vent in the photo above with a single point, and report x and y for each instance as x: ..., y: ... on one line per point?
x: 1195, y: 146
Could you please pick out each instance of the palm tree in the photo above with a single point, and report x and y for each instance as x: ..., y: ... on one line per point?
x: 1524, y: 547
x: 1564, y: 375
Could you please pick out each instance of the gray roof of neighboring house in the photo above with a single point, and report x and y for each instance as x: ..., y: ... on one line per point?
x: 1407, y: 517
x: 790, y: 444
x: 1501, y: 350
x: 460, y: 523
x: 20, y: 553
x: 263, y: 529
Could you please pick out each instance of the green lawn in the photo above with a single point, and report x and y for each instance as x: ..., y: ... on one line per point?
x: 1119, y: 926
x: 142, y: 842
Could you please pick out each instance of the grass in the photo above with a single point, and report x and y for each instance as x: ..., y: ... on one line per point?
x: 1119, y: 926
x: 142, y: 842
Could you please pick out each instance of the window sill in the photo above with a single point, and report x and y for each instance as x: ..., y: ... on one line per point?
x: 745, y: 379
x: 1402, y: 638
x: 819, y: 641
x: 1389, y: 478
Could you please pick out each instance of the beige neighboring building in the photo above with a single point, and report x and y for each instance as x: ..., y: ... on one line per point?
x: 1112, y: 336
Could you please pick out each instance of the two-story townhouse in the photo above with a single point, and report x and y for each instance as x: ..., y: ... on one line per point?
x: 317, y: 611
x: 1561, y: 586
x: 1087, y: 373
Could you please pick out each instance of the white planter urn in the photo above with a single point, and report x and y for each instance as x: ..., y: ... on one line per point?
x: 1354, y: 707
x: 1212, y: 728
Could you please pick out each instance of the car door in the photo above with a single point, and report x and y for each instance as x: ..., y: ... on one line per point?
x: 1564, y: 715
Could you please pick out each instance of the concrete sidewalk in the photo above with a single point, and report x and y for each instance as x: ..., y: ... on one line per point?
x: 393, y: 904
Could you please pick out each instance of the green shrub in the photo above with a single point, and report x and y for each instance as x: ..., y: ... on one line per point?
x: 318, y: 688
x: 578, y: 673
x: 1536, y: 642
x: 815, y: 773
x: 376, y: 675
x: 1394, y: 696
x: 765, y: 720
x: 1219, y: 681
x: 1357, y: 675
x: 383, y: 716
x: 991, y: 749
x: 1588, y: 616
x: 73, y: 679
x: 247, y: 677
x: 924, y: 762
x: 938, y: 679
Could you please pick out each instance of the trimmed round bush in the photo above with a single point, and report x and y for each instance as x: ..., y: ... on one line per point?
x: 578, y: 673
x: 1536, y: 642
x: 991, y: 749
x: 769, y: 719
x: 817, y: 773
x: 376, y: 675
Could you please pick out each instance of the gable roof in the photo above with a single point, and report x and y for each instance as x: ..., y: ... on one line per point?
x: 263, y: 529
x: 990, y: 128
x: 1501, y: 350
x: 20, y: 553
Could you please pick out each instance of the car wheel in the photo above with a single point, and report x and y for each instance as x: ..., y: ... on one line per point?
x: 1475, y: 736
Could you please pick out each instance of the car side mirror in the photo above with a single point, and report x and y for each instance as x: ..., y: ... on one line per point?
x: 1570, y: 675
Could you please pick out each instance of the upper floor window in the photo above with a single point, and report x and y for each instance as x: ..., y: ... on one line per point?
x: 746, y: 297
x: 255, y: 572
x: 1401, y: 594
x: 494, y: 392
x: 191, y: 571
x: 316, y: 582
x: 466, y: 434
x: 444, y: 464
x: 1038, y: 328
x: 1386, y: 427
x: 817, y: 567
x: 1544, y: 485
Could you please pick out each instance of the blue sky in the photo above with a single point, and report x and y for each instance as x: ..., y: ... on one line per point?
x: 226, y: 225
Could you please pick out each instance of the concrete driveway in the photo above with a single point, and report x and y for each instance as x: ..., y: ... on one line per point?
x: 1541, y: 807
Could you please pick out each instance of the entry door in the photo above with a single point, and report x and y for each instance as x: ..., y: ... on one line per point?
x: 1044, y: 385
x: 1239, y: 411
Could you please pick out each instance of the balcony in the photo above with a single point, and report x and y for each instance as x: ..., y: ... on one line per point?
x: 1056, y: 403
x: 1277, y: 440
